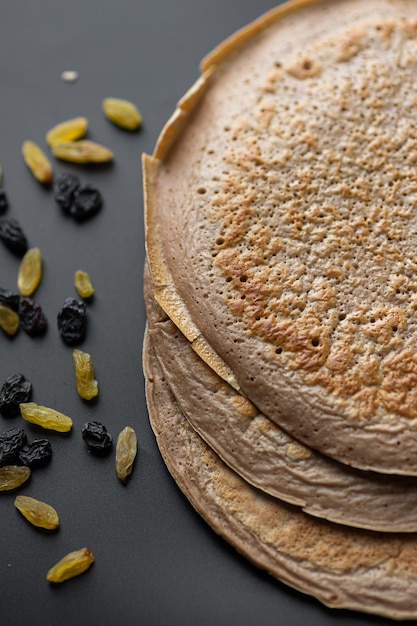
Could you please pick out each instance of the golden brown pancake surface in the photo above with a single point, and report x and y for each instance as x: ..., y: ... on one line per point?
x: 281, y: 224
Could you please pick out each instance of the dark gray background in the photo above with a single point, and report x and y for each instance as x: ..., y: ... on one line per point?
x: 157, y: 562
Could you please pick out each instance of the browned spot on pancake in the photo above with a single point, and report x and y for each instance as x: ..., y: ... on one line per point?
x: 399, y: 388
x: 409, y: 27
x: 266, y: 115
x: 385, y: 29
x: 271, y: 81
x: 298, y: 452
x: 340, y: 357
x: 243, y: 406
x: 304, y: 68
x: 384, y: 323
x: 349, y: 45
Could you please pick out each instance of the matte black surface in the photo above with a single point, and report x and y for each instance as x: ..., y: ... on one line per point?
x: 157, y: 562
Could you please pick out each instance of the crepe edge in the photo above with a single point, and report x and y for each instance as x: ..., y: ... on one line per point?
x: 264, y: 557
x: 164, y: 291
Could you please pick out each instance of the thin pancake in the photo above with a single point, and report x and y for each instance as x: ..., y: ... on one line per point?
x: 266, y: 456
x: 341, y: 567
x: 281, y: 224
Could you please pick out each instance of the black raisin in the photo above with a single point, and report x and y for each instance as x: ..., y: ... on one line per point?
x: 32, y: 318
x: 11, y: 442
x: 87, y: 202
x: 35, y: 454
x: 64, y: 189
x: 13, y: 237
x: 97, y: 438
x: 16, y: 389
x: 4, y: 203
x: 72, y: 321
x: 10, y: 298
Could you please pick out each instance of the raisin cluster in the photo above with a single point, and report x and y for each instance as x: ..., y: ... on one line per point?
x: 77, y: 200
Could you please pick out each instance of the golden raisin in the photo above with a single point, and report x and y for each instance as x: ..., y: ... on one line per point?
x: 45, y: 417
x: 126, y: 450
x: 71, y: 130
x: 30, y: 272
x: 122, y: 113
x: 12, y: 476
x: 9, y: 320
x: 83, y: 151
x: 38, y: 513
x: 37, y: 162
x: 87, y: 386
x: 73, y: 564
x: 83, y: 284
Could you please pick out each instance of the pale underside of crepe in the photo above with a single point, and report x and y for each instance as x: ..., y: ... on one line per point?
x: 263, y: 454
x: 281, y: 227
x: 340, y: 566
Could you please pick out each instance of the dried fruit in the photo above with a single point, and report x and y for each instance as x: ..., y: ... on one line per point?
x: 4, y: 203
x: 69, y: 130
x: 64, y: 189
x: 16, y: 389
x: 78, y: 201
x: 45, y: 417
x: 126, y: 450
x: 10, y: 298
x: 13, y: 237
x: 72, y: 321
x: 9, y: 320
x: 35, y: 454
x: 11, y: 442
x: 87, y: 386
x: 73, y: 564
x: 37, y: 512
x: 83, y: 284
x: 83, y: 151
x: 37, y: 162
x: 32, y: 318
x: 30, y: 272
x: 12, y: 476
x: 97, y: 438
x: 87, y: 202
x: 122, y: 113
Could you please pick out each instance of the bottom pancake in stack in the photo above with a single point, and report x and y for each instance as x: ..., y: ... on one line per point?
x: 342, y: 566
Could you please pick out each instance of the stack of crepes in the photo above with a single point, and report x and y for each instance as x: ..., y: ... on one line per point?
x: 280, y: 354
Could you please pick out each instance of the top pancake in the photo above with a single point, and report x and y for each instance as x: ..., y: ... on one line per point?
x: 281, y: 223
